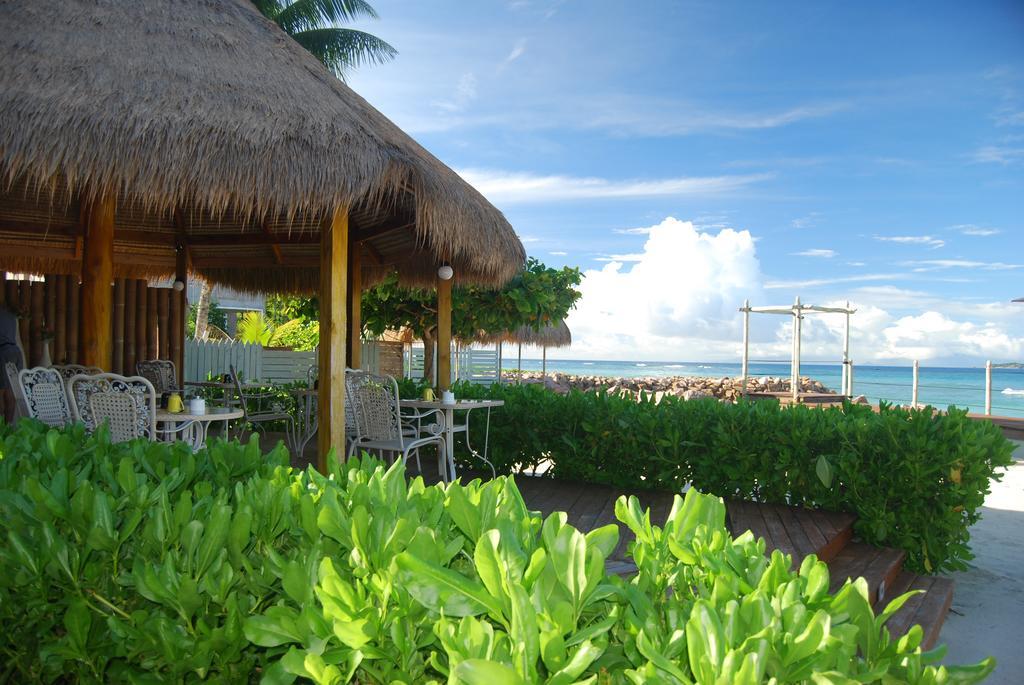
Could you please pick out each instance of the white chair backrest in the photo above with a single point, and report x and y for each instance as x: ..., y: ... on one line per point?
x: 374, y: 403
x: 19, y: 397
x: 126, y: 403
x: 66, y: 371
x: 45, y: 399
x: 161, y: 373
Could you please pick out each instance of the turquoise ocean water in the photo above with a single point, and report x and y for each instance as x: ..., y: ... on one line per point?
x: 939, y: 386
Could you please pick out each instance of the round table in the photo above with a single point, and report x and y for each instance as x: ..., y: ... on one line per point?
x: 192, y: 428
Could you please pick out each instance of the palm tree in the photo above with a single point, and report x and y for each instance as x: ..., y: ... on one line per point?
x: 312, y: 23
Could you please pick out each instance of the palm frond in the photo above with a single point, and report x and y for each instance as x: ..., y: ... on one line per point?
x: 269, y: 8
x: 341, y: 49
x: 308, y: 15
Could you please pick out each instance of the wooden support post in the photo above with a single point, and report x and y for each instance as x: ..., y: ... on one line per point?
x: 25, y: 307
x: 355, y: 304
x: 60, y: 321
x: 51, y: 311
x: 37, y: 312
x: 179, y: 317
x: 97, y: 276
x: 444, y: 334
x: 118, y: 358
x: 331, y: 395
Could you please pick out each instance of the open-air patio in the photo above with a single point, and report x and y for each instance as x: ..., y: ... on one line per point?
x: 151, y: 536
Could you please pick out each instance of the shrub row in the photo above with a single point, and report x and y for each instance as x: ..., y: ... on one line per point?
x: 143, y: 563
x: 916, y: 479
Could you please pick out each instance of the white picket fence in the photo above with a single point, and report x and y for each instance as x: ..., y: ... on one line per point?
x: 476, y: 365
x: 215, y: 357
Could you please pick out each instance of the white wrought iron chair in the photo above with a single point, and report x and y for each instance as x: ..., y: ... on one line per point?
x: 255, y: 414
x: 127, y: 404
x: 19, y: 397
x: 66, y: 371
x: 45, y: 399
x: 378, y: 419
x: 161, y: 373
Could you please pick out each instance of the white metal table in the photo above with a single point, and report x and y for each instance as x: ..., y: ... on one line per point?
x: 192, y: 428
x: 450, y: 429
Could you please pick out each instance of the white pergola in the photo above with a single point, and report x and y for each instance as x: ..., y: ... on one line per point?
x: 797, y: 310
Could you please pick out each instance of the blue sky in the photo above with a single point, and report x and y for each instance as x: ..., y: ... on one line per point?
x: 864, y: 151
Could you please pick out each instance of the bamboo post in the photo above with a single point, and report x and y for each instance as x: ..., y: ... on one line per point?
x: 913, y: 391
x: 333, y: 276
x: 130, y: 304
x: 51, y: 310
x: 745, y: 365
x: 988, y: 388
x: 152, y: 324
x: 60, y: 321
x: 444, y: 334
x: 74, y: 302
x: 179, y: 316
x: 97, y: 275
x: 37, y: 311
x: 118, y: 360
x: 141, y: 325
x: 176, y: 332
x: 163, y: 314
x: 355, y: 304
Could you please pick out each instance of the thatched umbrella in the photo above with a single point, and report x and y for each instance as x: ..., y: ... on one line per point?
x: 152, y: 138
x: 551, y: 335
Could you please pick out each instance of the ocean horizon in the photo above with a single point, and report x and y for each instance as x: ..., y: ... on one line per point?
x: 938, y: 386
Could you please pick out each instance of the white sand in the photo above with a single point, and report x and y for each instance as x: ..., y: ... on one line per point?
x: 987, y: 618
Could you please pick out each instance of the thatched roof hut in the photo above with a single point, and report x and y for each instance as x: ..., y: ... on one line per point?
x: 552, y: 335
x: 215, y: 129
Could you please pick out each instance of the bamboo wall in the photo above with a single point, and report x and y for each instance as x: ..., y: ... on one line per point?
x: 147, y: 323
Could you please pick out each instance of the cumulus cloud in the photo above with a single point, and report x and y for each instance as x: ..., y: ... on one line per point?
x: 925, y: 240
x: 677, y: 299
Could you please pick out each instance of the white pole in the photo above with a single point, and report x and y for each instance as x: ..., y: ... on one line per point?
x: 544, y: 364
x: 849, y: 378
x: 499, y: 362
x: 988, y: 388
x: 746, y: 346
x: 795, y: 382
x: 846, y: 349
x: 913, y: 392
x: 519, y: 366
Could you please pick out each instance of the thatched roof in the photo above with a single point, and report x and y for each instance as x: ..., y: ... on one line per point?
x: 212, y: 125
x: 552, y: 335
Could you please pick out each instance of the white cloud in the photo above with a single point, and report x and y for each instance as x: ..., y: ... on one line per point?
x: 678, y: 295
x: 632, y: 231
x: 998, y: 154
x: 805, y: 221
x: 517, y: 51
x: 936, y: 264
x: 971, y: 229
x: 558, y: 253
x: 815, y: 282
x: 465, y: 92
x: 521, y: 187
x: 816, y: 252
x: 926, y: 240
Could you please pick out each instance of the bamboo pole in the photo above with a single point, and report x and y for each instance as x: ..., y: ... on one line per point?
x: 51, y: 309
x: 152, y: 324
x: 444, y: 334
x: 37, y: 313
x: 141, y: 324
x: 60, y: 321
x: 988, y: 388
x: 118, y: 359
x: 74, y: 303
x: 333, y: 276
x: 97, y: 275
x: 130, y: 305
x: 176, y: 332
x: 181, y: 296
x: 163, y: 316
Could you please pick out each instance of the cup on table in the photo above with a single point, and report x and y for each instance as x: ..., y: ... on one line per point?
x: 447, y: 397
x: 197, y: 405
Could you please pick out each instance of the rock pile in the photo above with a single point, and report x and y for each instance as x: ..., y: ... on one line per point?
x: 687, y: 387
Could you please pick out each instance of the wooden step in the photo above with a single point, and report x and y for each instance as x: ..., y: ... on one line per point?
x: 878, y: 565
x: 795, y: 531
x: 929, y: 609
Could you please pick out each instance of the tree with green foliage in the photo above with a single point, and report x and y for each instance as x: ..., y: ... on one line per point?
x: 314, y: 25
x: 538, y: 295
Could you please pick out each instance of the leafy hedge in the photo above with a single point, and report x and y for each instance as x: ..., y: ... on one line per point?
x: 916, y: 479
x: 143, y: 563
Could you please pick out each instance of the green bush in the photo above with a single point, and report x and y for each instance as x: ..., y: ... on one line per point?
x: 916, y: 479
x: 143, y: 563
